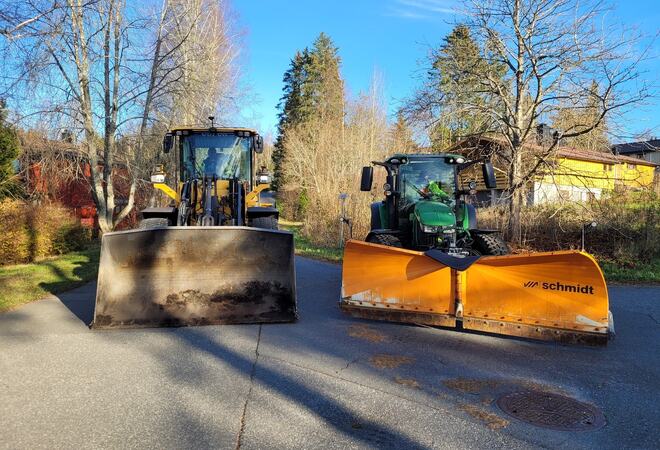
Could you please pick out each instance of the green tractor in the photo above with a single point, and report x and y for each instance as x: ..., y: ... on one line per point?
x: 425, y: 209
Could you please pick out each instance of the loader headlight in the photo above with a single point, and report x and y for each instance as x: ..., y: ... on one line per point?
x: 430, y: 229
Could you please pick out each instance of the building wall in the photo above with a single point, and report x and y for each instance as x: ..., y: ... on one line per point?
x: 604, y: 176
x: 577, y: 180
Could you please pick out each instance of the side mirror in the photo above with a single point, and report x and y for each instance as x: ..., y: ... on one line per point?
x: 367, y: 178
x: 258, y: 144
x: 489, y: 175
x: 263, y: 178
x: 168, y: 140
x: 158, y: 175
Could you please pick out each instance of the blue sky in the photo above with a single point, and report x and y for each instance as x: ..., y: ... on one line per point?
x: 385, y: 36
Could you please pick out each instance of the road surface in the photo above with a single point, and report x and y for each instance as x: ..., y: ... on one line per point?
x: 328, y: 381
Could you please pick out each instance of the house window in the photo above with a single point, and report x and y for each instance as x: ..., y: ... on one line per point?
x: 608, y: 167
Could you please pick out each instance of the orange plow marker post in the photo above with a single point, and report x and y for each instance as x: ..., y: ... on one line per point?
x: 557, y: 296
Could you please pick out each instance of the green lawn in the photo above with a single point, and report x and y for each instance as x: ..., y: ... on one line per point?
x: 641, y: 273
x: 24, y: 283
x: 305, y: 248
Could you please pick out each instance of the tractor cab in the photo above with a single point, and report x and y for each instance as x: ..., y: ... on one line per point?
x: 423, y: 206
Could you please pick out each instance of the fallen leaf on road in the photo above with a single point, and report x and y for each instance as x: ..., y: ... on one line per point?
x: 470, y: 386
x: 366, y: 333
x: 389, y: 361
x: 493, y: 421
x: 407, y: 382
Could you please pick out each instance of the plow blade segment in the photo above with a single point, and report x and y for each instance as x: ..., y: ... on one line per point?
x: 387, y: 283
x: 180, y: 276
x: 559, y: 296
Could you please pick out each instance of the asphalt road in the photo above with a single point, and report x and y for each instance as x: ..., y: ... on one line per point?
x: 328, y: 381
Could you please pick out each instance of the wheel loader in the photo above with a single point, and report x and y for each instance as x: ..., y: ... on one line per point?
x: 426, y: 261
x: 214, y: 255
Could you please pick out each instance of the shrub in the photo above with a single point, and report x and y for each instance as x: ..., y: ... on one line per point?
x: 627, y: 230
x: 32, y: 231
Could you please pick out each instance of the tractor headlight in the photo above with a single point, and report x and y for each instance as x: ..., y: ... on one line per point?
x: 430, y: 229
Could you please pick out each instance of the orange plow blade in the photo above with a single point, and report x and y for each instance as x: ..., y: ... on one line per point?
x: 558, y: 296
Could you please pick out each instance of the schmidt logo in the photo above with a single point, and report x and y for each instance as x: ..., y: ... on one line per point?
x: 557, y: 286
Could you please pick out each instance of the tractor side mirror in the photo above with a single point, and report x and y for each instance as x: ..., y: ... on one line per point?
x: 258, y: 144
x: 489, y: 175
x: 367, y: 178
x: 168, y: 140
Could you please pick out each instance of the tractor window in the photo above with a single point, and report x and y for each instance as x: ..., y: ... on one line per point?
x: 432, y: 178
x: 223, y: 155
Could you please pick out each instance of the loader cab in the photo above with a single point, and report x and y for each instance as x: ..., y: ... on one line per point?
x: 226, y: 153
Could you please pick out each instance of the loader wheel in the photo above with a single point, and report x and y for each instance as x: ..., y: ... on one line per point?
x: 385, y: 239
x: 267, y: 222
x: 153, y: 222
x: 489, y: 244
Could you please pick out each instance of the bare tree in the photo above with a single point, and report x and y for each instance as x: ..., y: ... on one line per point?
x: 94, y: 66
x: 553, y: 53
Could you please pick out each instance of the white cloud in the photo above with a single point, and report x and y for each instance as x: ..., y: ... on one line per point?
x: 421, y: 9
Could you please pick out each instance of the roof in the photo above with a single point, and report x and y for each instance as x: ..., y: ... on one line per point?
x: 216, y: 129
x: 650, y: 146
x: 562, y: 152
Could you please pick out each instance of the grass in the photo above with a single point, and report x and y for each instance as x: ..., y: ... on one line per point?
x: 306, y: 248
x: 24, y: 283
x: 641, y: 273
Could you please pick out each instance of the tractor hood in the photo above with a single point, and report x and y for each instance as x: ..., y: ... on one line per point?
x: 434, y: 214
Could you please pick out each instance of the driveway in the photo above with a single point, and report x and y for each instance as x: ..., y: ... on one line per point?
x: 327, y: 381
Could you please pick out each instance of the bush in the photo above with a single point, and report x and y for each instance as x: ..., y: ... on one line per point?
x: 627, y: 231
x: 32, y: 231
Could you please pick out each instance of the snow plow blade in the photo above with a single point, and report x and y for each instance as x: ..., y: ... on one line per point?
x: 556, y: 296
x: 182, y: 276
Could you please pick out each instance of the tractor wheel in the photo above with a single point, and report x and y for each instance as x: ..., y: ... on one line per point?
x: 489, y: 244
x: 154, y: 222
x: 267, y: 222
x: 385, y: 239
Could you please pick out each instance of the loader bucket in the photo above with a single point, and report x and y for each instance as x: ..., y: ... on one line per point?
x: 181, y: 276
x: 558, y: 296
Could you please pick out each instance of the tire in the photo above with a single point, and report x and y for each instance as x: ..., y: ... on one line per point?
x: 385, y: 239
x: 489, y: 244
x: 153, y: 222
x: 266, y: 222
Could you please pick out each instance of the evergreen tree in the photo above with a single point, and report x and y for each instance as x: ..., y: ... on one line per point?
x: 324, y: 86
x: 293, y: 106
x: 313, y: 88
x: 451, y: 101
x: 9, y: 150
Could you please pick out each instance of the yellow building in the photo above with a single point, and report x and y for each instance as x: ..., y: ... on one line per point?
x: 569, y: 174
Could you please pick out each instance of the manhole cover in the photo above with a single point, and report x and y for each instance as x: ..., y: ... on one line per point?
x: 553, y: 411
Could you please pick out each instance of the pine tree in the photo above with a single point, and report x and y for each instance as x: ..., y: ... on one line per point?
x: 451, y: 100
x: 293, y: 106
x: 324, y: 85
x: 313, y: 88
x: 9, y: 150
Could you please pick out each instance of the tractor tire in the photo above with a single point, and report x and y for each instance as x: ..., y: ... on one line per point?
x: 266, y: 222
x: 489, y: 244
x: 385, y: 239
x: 153, y: 222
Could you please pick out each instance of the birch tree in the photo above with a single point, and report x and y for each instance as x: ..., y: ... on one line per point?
x: 96, y: 67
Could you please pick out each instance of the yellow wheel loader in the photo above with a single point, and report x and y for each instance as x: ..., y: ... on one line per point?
x: 214, y: 255
x: 426, y: 261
